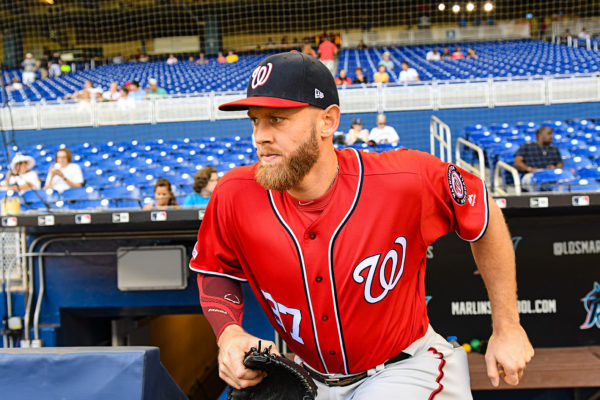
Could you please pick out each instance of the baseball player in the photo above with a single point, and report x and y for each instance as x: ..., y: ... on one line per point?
x: 333, y: 243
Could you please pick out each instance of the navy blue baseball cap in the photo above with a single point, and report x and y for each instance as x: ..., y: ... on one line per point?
x: 287, y: 80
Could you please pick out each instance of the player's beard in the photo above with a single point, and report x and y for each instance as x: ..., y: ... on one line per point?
x: 288, y: 173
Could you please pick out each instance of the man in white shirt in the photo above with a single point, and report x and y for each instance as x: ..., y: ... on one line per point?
x: 408, y: 75
x: 383, y: 133
x: 433, y: 55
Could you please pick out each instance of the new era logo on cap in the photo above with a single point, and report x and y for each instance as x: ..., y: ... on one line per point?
x: 288, y: 80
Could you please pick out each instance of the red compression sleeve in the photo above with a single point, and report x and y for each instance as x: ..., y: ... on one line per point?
x: 222, y: 301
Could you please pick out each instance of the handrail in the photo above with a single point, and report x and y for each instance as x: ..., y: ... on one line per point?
x: 501, y: 165
x: 440, y: 131
x: 464, y: 164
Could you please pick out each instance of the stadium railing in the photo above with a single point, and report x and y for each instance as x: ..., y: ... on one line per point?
x: 431, y: 95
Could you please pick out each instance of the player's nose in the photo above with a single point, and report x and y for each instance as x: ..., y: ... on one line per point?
x: 262, y: 133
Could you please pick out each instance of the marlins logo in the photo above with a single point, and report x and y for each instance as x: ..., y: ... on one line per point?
x: 458, y: 189
x: 591, y: 302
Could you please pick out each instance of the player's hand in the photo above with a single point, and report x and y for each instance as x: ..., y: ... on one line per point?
x: 234, y: 343
x: 507, y: 355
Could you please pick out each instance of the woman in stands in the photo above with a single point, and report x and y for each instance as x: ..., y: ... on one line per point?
x: 21, y: 177
x: 64, y: 174
x: 205, y: 181
x: 163, y: 196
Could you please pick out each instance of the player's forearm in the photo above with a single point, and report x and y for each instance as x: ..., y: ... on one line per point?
x: 222, y: 302
x: 495, y: 258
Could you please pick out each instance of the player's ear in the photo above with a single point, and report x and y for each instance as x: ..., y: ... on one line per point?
x: 330, y: 120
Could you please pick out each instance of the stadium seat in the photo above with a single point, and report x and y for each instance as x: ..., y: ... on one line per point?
x: 81, y: 193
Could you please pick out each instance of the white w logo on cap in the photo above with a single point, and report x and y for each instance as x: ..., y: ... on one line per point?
x: 318, y: 94
x: 261, y: 74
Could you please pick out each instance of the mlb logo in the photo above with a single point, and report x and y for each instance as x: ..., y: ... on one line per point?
x: 9, y: 221
x: 83, y: 219
x: 158, y: 216
x: 501, y: 202
x: 579, y: 201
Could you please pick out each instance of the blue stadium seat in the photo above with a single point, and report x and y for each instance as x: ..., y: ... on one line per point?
x: 81, y: 193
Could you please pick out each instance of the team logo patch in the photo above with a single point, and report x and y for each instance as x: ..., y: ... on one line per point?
x: 195, y: 252
x: 261, y: 75
x: 458, y: 189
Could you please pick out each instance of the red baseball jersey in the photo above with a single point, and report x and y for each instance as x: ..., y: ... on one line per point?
x: 355, y: 275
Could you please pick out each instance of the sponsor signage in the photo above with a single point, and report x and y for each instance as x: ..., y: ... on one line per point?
x: 558, y: 280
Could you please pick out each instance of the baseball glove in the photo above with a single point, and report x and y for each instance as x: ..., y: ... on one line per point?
x: 285, y: 379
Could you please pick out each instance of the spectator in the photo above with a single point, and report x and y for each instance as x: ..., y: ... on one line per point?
x: 360, y: 76
x: 381, y: 76
x: 221, y: 58
x: 64, y: 68
x: 88, y: 92
x: 343, y: 79
x: 357, y: 134
x: 64, y: 174
x: 135, y: 93
x: 205, y: 181
x: 537, y: 156
x: 143, y: 58
x: 433, y: 55
x: 471, y: 53
x: 566, y: 36
x: 327, y: 52
x: 43, y: 66
x: 191, y: 59
x: 172, y: 60
x: 163, y: 196
x: 385, y: 60
x: 584, y: 34
x: 201, y: 60
x: 112, y: 94
x: 308, y: 50
x: 54, y: 69
x: 29, y: 65
x: 21, y: 177
x: 383, y: 133
x: 15, y: 84
x: 446, y: 54
x: 232, y: 57
x: 124, y: 100
x: 408, y: 75
x: 457, y: 54
x: 153, y: 91
x: 362, y: 45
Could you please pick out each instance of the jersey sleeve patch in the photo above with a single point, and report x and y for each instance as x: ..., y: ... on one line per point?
x: 458, y: 188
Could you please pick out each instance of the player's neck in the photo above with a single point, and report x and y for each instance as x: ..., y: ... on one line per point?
x: 320, y: 178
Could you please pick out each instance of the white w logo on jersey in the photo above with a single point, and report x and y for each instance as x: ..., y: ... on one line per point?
x: 372, y: 263
x: 261, y: 74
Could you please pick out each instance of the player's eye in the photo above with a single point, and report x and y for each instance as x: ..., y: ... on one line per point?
x: 253, y: 121
x: 276, y: 120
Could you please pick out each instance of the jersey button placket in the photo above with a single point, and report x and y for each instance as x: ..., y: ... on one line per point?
x: 312, y: 236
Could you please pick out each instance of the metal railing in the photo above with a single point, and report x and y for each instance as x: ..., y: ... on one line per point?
x: 480, y: 170
x: 440, y: 132
x: 425, y: 95
x: 499, y: 184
